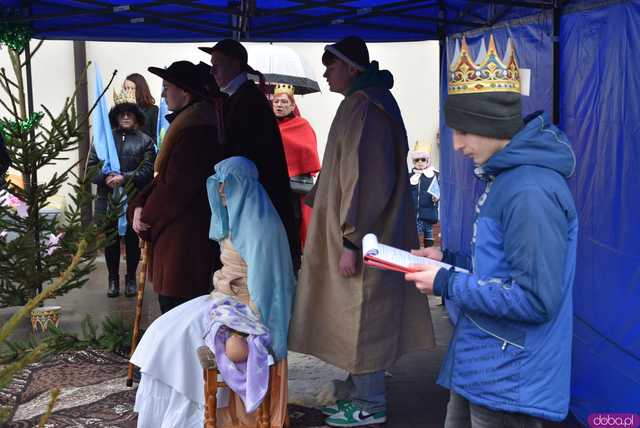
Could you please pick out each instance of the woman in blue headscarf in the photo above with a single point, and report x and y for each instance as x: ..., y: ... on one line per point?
x: 248, y: 311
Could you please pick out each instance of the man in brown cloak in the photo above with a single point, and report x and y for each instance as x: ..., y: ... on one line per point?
x: 359, y: 319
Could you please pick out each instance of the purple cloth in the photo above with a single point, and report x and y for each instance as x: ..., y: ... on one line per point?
x: 249, y: 380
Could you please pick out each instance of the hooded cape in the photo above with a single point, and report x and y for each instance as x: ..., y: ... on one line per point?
x: 256, y: 231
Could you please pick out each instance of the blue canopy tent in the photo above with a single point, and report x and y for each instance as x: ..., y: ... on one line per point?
x: 583, y: 60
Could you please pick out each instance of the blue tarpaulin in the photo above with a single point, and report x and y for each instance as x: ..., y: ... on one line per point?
x: 273, y: 20
x: 599, y: 110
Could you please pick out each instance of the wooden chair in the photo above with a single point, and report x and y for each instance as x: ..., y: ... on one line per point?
x: 211, y: 385
x: 437, y: 237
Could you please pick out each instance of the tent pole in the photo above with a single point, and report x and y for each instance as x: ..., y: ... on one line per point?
x: 556, y: 62
x: 82, y: 108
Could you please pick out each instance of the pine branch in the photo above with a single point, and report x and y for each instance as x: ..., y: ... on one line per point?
x: 54, y: 398
x: 33, y: 52
x: 10, y: 325
x: 13, y: 111
x: 7, y: 373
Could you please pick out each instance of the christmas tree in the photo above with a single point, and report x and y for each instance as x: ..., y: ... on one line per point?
x: 36, y: 247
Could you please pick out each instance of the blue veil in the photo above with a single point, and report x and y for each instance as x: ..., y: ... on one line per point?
x: 257, y: 233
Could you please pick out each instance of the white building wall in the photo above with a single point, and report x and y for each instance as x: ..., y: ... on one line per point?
x: 414, y: 66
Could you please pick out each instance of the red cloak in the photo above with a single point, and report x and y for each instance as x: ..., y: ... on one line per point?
x: 301, y: 151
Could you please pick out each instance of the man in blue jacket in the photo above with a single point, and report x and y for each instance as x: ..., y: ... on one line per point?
x: 509, y: 360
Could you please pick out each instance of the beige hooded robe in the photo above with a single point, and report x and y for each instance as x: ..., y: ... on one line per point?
x: 363, y: 323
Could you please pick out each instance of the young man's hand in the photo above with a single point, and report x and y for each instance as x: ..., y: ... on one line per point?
x: 424, y: 277
x: 434, y: 253
x: 348, y: 265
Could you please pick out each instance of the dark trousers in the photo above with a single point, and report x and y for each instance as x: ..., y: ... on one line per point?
x: 167, y: 302
x: 463, y: 414
x: 132, y: 248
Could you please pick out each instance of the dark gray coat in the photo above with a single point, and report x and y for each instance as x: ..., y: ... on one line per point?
x: 136, y: 155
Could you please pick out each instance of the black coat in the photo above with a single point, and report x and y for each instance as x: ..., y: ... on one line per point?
x: 251, y: 130
x: 136, y: 155
x: 150, y: 121
x: 426, y: 208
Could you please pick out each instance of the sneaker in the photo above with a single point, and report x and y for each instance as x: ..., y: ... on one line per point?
x: 352, y: 416
x: 335, y: 408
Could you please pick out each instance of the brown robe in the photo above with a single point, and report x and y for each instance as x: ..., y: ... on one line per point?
x: 364, y: 323
x: 176, y: 206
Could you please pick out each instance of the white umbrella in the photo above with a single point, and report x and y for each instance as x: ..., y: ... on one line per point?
x: 281, y: 64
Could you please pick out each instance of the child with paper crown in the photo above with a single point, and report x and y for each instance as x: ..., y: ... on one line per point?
x: 425, y: 189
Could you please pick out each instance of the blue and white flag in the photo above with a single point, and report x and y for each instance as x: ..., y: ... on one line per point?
x: 163, y: 123
x: 106, y: 146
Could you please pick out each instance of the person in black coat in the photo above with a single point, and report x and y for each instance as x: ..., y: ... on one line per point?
x: 251, y: 130
x: 425, y: 189
x: 136, y: 154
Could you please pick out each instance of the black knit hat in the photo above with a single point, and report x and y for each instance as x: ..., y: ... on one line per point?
x: 492, y: 114
x: 129, y: 108
x: 484, y: 95
x: 352, y: 50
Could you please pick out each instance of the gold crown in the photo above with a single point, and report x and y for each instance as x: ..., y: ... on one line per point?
x: 487, y: 74
x: 421, y: 147
x: 124, y: 97
x: 283, y: 88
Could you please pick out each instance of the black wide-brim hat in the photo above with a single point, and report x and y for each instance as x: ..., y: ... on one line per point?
x: 230, y: 48
x: 129, y: 108
x: 187, y: 76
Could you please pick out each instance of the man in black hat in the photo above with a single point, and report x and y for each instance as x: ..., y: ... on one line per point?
x: 251, y: 130
x: 135, y: 155
x: 361, y: 320
x: 173, y: 212
x: 509, y: 360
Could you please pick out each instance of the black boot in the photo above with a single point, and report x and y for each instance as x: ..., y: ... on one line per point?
x: 114, y: 287
x: 130, y: 286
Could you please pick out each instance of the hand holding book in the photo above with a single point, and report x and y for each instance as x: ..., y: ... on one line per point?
x: 386, y: 257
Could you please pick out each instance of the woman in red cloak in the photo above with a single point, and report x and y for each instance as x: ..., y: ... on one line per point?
x: 301, y: 151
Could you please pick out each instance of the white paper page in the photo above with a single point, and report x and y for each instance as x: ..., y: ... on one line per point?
x: 371, y: 247
x: 370, y: 244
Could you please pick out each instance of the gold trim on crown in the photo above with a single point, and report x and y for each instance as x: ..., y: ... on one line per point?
x: 124, y: 97
x: 487, y: 74
x: 283, y: 88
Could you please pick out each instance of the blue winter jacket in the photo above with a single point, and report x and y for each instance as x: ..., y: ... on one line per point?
x: 511, y: 346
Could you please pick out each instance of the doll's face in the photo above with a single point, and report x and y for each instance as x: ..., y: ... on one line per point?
x: 422, y: 162
x: 282, y: 105
x: 223, y: 197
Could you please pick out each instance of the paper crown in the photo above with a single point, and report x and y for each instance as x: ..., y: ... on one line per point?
x: 124, y: 97
x: 283, y: 88
x: 487, y: 74
x: 420, y: 149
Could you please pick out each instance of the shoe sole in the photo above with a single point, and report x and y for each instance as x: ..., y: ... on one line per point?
x: 372, y: 423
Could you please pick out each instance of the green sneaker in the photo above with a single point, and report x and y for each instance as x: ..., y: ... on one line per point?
x: 335, y: 408
x: 352, y: 416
